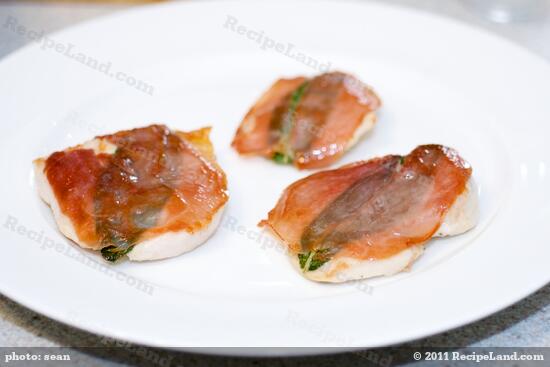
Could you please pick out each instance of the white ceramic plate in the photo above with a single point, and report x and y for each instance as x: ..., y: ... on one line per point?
x: 441, y: 82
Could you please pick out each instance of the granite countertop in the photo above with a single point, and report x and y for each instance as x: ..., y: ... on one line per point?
x: 525, y: 324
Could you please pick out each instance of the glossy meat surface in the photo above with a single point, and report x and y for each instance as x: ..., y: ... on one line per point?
x: 309, y: 122
x: 154, y: 182
x: 372, y: 209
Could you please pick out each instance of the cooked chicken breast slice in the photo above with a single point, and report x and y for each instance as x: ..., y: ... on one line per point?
x: 148, y: 193
x: 373, y: 218
x: 308, y: 122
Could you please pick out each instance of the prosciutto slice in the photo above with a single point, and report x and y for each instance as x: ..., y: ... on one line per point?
x: 370, y: 210
x: 119, y: 190
x: 308, y: 122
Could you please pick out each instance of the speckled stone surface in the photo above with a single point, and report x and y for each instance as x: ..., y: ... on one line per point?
x: 525, y: 324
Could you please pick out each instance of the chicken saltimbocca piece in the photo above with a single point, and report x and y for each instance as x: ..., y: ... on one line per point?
x: 149, y: 193
x: 374, y: 217
x: 308, y: 122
